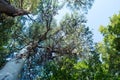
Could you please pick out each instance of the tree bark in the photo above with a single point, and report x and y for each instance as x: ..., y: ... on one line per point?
x: 12, y: 69
x: 10, y: 10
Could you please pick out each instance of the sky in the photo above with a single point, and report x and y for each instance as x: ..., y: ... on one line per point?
x: 99, y: 14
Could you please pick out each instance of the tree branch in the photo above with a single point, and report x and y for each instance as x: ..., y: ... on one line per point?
x: 10, y: 10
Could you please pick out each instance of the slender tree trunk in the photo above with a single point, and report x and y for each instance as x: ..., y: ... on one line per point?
x: 12, y: 69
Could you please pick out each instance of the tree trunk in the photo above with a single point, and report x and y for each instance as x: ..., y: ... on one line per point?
x: 12, y: 69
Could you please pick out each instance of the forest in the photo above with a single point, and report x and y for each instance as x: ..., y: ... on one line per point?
x: 35, y: 45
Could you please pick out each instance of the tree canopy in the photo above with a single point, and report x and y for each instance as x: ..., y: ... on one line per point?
x: 52, y: 50
x: 111, y: 45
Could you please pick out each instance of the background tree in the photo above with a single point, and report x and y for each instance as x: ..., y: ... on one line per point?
x: 111, y: 46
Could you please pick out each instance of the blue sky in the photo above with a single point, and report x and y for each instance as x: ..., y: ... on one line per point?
x: 100, y: 13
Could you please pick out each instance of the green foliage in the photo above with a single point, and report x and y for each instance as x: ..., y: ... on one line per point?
x: 5, y: 31
x: 69, y: 68
x: 65, y: 69
x: 110, y: 49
